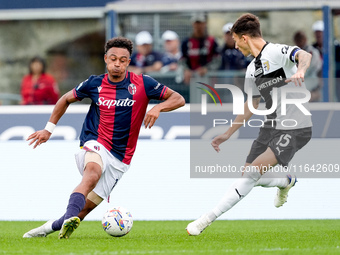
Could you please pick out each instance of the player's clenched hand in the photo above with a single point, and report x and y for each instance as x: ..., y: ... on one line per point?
x: 297, y: 78
x: 218, y: 140
x: 151, y: 117
x: 39, y: 137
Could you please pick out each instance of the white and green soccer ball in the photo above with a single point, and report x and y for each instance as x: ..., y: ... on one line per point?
x: 117, y: 221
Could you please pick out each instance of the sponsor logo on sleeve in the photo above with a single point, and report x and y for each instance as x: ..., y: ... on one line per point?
x: 157, y: 86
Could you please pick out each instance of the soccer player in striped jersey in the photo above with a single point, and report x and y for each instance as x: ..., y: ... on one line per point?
x: 274, y: 67
x: 110, y: 131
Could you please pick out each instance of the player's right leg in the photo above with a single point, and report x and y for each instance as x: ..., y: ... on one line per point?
x: 91, y: 176
x: 101, y: 191
x: 92, y: 201
x: 271, y: 179
x: 294, y: 141
x: 69, y: 225
x: 282, y: 193
x: 238, y: 190
x: 91, y: 166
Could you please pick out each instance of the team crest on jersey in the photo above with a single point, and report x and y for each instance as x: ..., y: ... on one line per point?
x: 97, y: 148
x: 99, y: 89
x: 132, y: 89
x: 266, y: 66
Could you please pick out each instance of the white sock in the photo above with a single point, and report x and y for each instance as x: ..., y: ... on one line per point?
x: 238, y: 190
x: 271, y: 179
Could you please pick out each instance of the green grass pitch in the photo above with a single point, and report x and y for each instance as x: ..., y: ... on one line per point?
x: 170, y: 237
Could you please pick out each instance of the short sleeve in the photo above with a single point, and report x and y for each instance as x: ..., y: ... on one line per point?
x: 250, y: 85
x: 154, y: 89
x: 288, y: 54
x: 82, y: 90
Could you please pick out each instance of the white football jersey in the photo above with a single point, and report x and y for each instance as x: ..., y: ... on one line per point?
x: 270, y: 69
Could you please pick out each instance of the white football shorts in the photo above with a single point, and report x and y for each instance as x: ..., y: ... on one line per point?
x: 113, y: 169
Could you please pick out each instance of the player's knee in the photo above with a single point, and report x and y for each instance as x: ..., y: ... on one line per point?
x: 93, y: 168
x: 91, y: 176
x: 252, y: 172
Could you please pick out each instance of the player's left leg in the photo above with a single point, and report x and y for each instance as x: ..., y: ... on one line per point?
x: 238, y: 190
x: 90, y: 165
x: 70, y: 224
x: 91, y: 176
x: 259, y: 146
x: 92, y: 201
x: 270, y: 180
x: 77, y: 209
x: 285, y: 144
x: 284, y: 184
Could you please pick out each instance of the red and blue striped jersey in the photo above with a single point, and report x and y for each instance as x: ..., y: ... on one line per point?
x: 117, y: 111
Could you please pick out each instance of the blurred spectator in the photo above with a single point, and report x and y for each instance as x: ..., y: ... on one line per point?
x: 232, y: 59
x: 145, y: 59
x: 38, y: 87
x: 200, y: 51
x: 172, y: 53
x: 318, y: 28
x: 337, y: 69
x: 312, y: 75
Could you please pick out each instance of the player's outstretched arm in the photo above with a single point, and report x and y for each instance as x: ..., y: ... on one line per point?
x: 303, y: 58
x: 59, y: 109
x: 237, y: 123
x: 173, y: 100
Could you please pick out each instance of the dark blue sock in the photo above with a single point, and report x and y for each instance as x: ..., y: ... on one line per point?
x: 56, y: 225
x: 75, y: 205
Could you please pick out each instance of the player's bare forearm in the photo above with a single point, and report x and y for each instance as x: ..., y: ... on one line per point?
x: 173, y: 100
x: 43, y: 135
x: 239, y: 119
x: 303, y: 58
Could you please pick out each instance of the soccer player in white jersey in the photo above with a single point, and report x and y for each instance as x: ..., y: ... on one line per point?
x: 274, y: 66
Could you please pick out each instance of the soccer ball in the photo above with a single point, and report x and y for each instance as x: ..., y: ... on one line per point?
x: 117, y: 221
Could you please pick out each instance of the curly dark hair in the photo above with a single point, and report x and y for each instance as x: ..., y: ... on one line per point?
x: 247, y: 24
x: 119, y: 42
